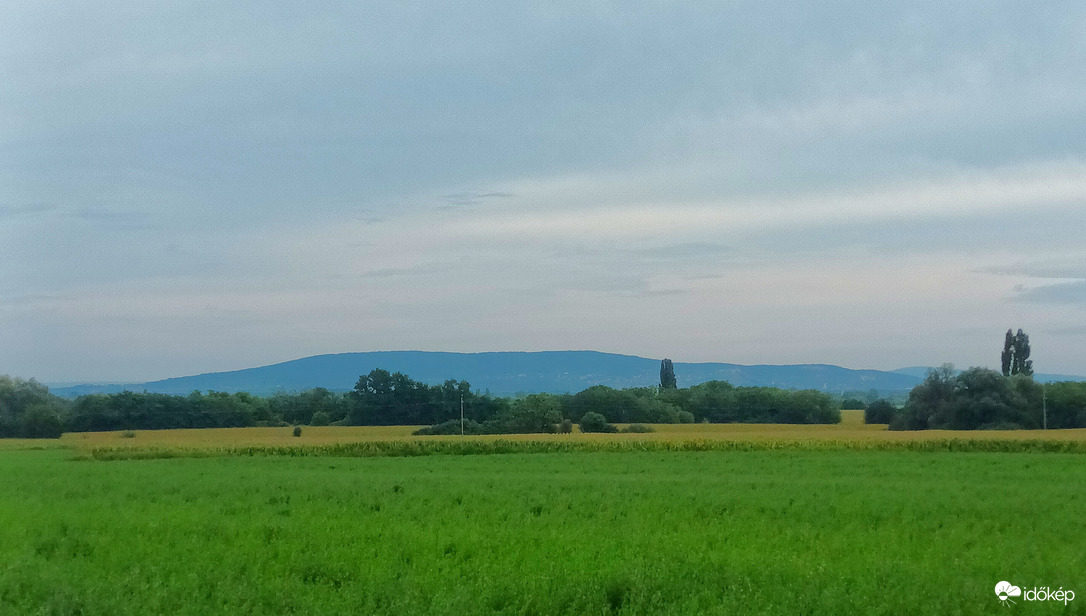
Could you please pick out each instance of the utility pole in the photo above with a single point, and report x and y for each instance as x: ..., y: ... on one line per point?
x: 461, y: 414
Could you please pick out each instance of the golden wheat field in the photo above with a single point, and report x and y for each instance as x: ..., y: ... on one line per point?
x: 851, y: 428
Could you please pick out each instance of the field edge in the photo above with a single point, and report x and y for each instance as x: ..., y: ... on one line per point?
x: 413, y: 448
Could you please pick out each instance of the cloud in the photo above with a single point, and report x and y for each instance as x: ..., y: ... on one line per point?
x: 1038, y: 277
x: 106, y: 216
x: 27, y: 301
x: 38, y: 212
x: 473, y: 198
x: 680, y: 251
x: 1064, y: 293
x: 595, y: 214
x: 1073, y: 330
x: 504, y: 176
x: 1067, y: 266
x: 26, y: 211
x: 417, y: 270
x: 622, y: 255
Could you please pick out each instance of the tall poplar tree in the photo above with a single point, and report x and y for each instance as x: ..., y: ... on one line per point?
x: 1022, y: 363
x: 1015, y: 358
x: 1008, y: 353
x: 667, y: 375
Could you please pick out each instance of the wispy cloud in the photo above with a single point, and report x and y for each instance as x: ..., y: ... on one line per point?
x: 1067, y: 266
x: 1073, y: 330
x: 20, y: 211
x: 87, y: 214
x: 1069, y: 269
x: 1064, y: 293
x: 27, y: 301
x: 598, y: 215
x: 473, y: 198
x: 102, y: 215
x: 415, y: 270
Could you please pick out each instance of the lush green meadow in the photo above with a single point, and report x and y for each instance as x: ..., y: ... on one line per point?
x: 658, y: 532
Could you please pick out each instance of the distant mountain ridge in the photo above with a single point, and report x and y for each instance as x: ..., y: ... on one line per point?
x: 507, y: 373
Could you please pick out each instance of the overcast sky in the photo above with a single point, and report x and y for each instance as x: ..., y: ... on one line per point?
x: 199, y: 186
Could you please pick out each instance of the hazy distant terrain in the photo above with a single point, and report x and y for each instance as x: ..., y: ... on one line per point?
x: 922, y: 371
x: 506, y: 373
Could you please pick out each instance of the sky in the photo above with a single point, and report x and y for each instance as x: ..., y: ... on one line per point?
x: 189, y: 187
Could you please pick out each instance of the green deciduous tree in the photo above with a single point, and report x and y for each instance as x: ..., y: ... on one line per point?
x: 978, y: 398
x: 879, y: 412
x: 28, y: 410
x: 1067, y: 405
x: 852, y: 404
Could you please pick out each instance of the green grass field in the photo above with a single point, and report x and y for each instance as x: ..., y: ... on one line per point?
x: 712, y: 532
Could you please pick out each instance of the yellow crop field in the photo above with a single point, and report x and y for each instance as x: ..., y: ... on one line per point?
x: 851, y: 429
x: 218, y: 437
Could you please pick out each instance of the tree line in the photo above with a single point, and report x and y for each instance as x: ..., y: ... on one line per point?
x: 27, y: 409
x: 983, y: 399
x: 977, y: 398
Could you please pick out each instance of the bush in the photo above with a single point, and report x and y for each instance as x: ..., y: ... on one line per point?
x: 649, y: 410
x: 638, y: 429
x: 128, y: 434
x: 594, y: 422
x: 452, y: 427
x: 686, y: 417
x: 297, y: 430
x: 879, y: 412
x: 565, y: 426
x: 320, y: 418
x: 529, y: 415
